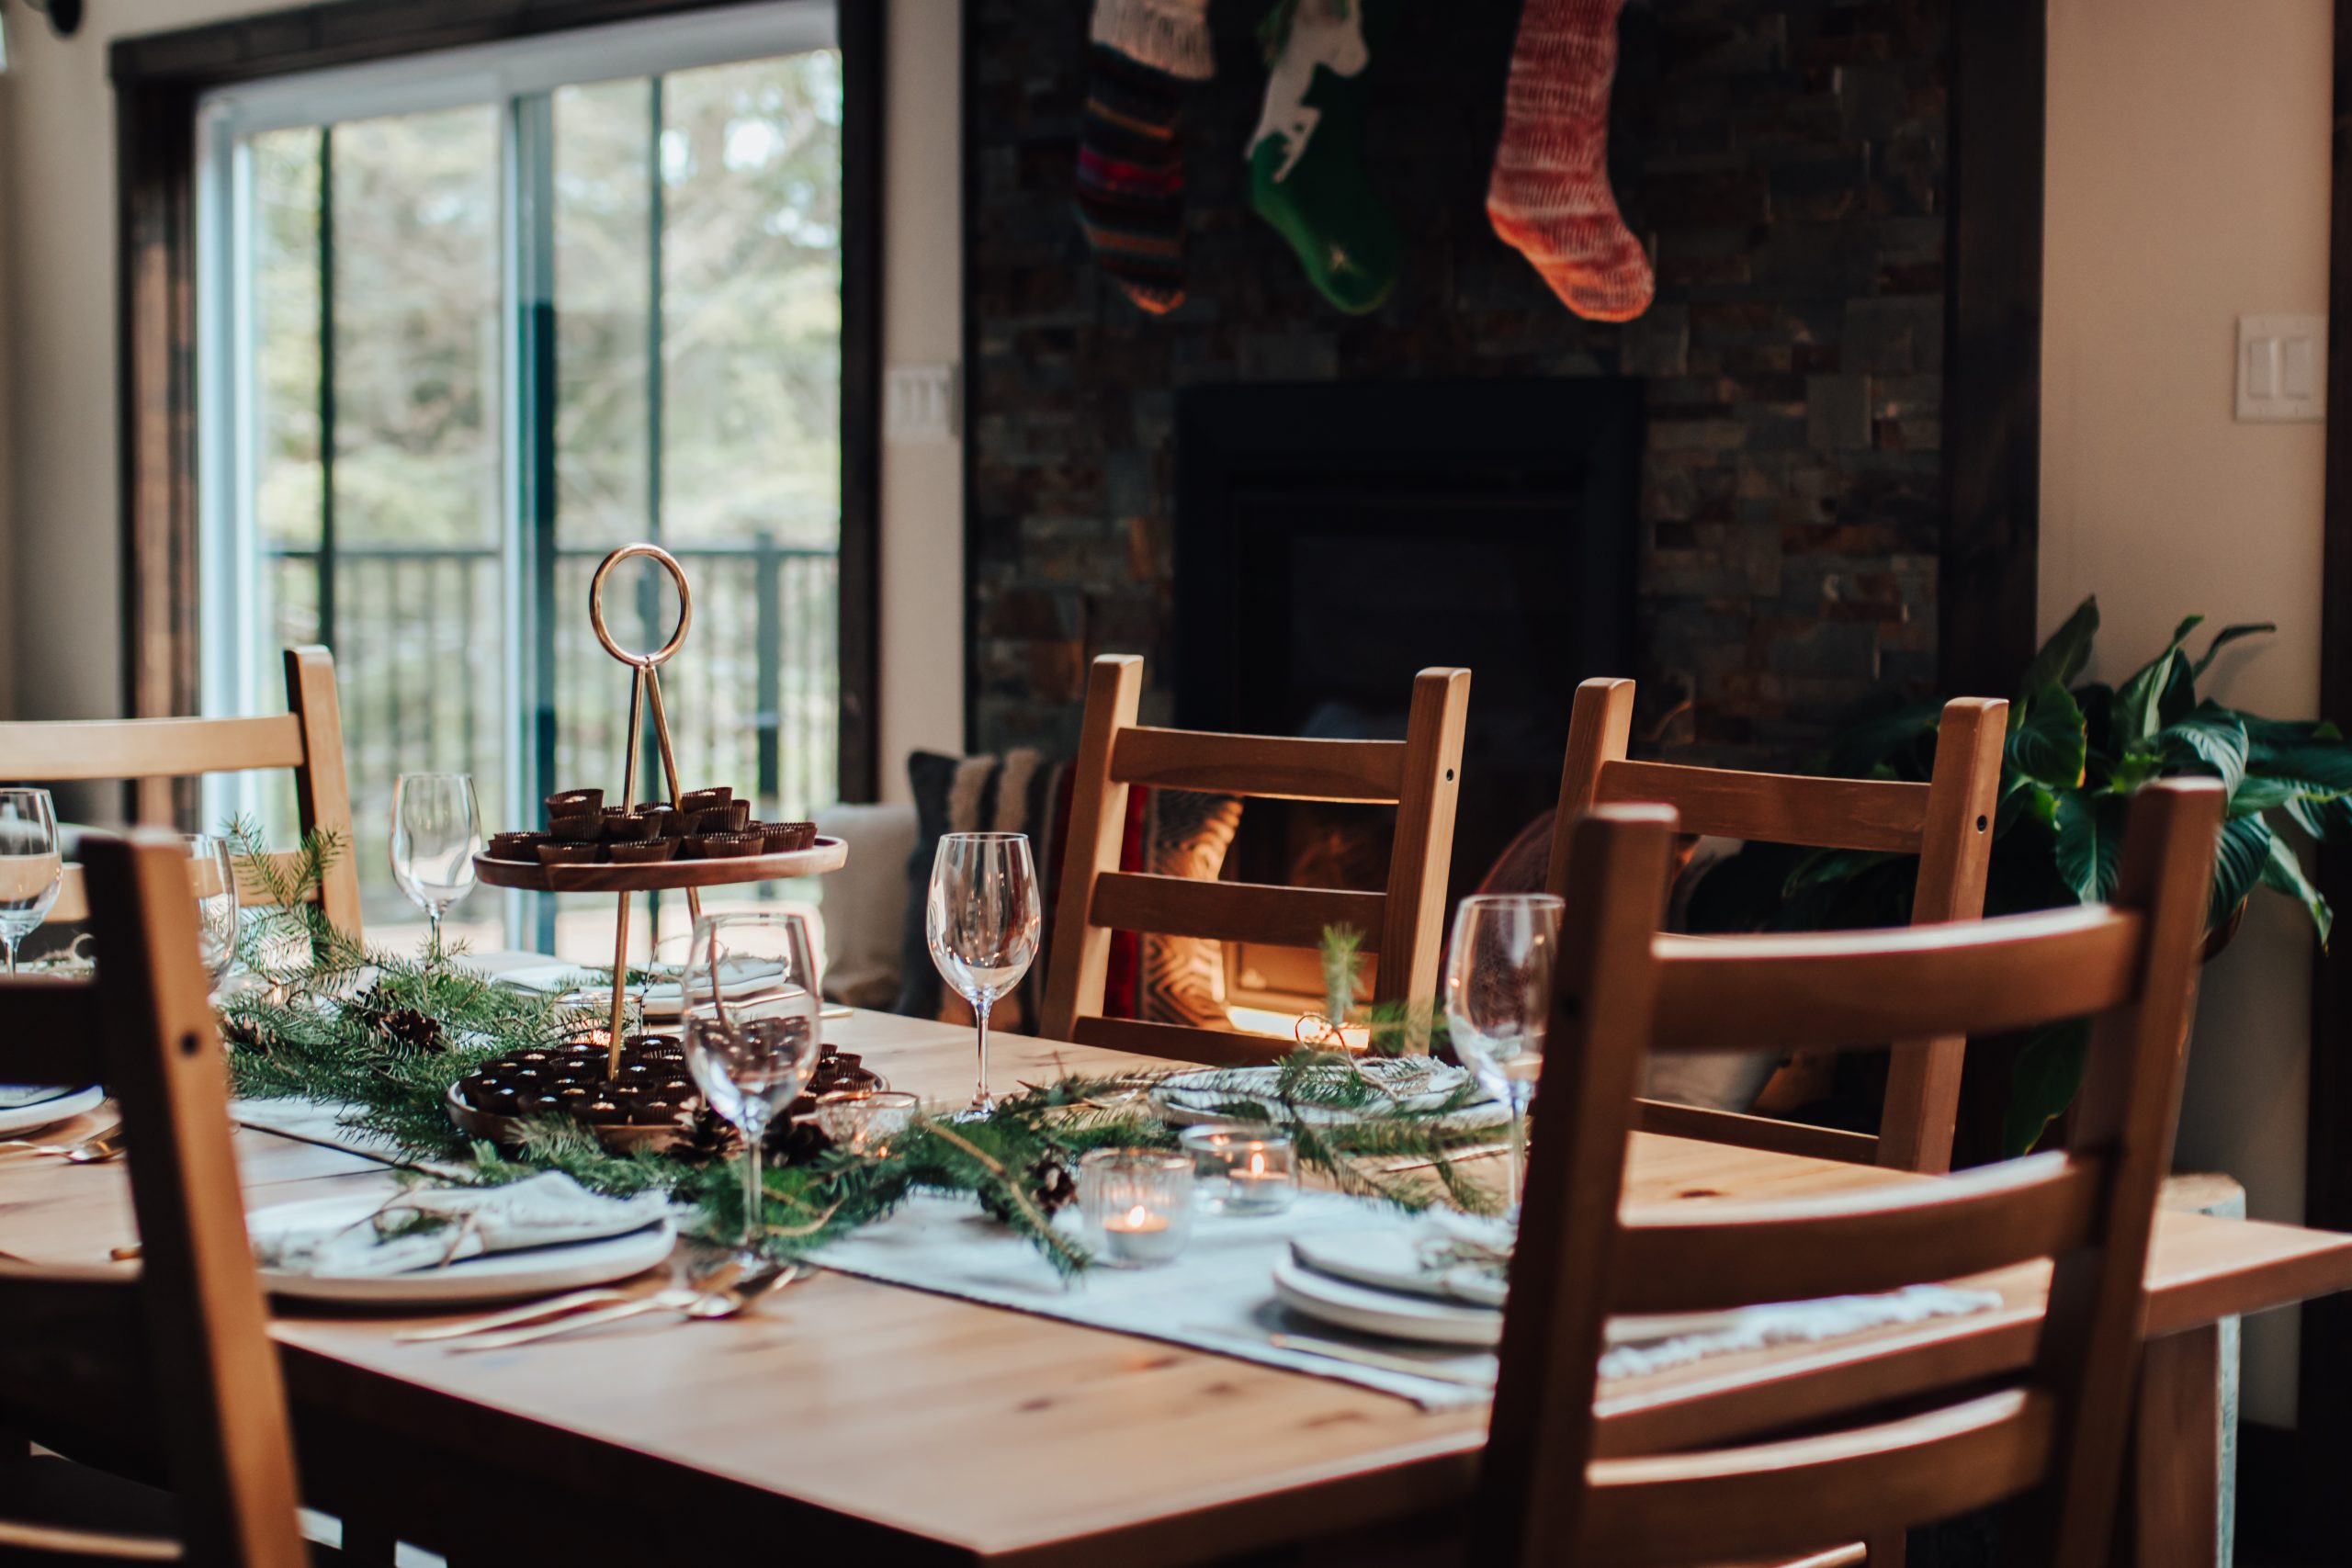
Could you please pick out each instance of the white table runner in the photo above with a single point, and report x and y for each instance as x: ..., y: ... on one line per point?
x: 1219, y: 1295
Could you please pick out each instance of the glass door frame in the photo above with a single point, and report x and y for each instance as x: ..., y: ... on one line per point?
x: 519, y: 76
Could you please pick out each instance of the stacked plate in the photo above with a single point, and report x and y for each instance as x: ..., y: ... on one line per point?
x: 29, y: 1110
x: 1397, y: 1282
x: 1407, y: 1283
x: 509, y: 1274
x: 1253, y: 1094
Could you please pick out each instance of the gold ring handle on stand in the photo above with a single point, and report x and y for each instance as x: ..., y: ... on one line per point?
x: 668, y: 563
x: 645, y: 688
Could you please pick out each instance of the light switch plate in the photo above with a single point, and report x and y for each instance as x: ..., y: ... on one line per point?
x: 919, y: 404
x: 2282, y: 368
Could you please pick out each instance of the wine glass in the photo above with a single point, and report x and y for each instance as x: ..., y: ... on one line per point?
x: 750, y: 1030
x: 1499, y: 998
x: 31, y: 869
x: 981, y: 920
x: 213, y: 874
x: 437, y: 833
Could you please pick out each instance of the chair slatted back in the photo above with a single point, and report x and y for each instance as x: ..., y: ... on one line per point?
x: 1419, y: 775
x: 183, y: 1337
x: 2055, y: 1432
x: 1946, y: 822
x: 308, y: 738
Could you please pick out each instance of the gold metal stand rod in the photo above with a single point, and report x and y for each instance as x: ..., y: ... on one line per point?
x: 641, y: 675
x: 670, y: 767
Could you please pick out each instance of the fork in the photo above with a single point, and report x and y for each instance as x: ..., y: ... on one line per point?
x: 101, y: 1146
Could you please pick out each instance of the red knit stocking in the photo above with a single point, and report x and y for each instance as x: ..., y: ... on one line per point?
x: 1549, y: 192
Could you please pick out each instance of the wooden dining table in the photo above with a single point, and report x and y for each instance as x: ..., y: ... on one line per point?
x: 857, y: 1418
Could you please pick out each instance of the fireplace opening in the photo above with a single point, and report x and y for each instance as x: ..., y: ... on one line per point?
x: 1333, y: 540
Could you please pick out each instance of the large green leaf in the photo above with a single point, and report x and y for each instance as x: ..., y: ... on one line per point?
x: 2327, y: 818
x: 2210, y: 736
x: 2061, y: 658
x: 2090, y: 842
x: 2284, y: 872
x: 2048, y: 1075
x: 2244, y: 850
x: 2158, y: 693
x: 1834, y: 866
x: 2321, y: 766
x: 2227, y: 636
x: 2046, y: 743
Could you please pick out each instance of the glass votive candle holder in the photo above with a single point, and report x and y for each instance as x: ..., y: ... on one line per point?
x: 1138, y: 1205
x: 866, y: 1122
x: 1243, y: 1171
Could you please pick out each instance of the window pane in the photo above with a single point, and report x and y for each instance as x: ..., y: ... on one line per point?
x: 417, y: 485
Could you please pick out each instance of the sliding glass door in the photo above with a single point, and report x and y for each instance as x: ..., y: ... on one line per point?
x: 471, y: 327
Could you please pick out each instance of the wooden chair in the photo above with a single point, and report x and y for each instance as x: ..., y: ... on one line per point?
x: 308, y: 737
x: 1947, y: 823
x: 1419, y: 775
x: 182, y: 1339
x: 2053, y: 1435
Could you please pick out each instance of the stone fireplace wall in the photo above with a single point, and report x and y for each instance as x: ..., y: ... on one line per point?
x: 1784, y: 160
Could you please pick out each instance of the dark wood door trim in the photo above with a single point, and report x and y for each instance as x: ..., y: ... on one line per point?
x: 2326, y: 1365
x: 1987, y: 581
x: 158, y: 80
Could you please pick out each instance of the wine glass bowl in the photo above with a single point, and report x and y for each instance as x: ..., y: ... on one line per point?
x: 437, y: 833
x: 31, y: 870
x: 1499, y: 998
x: 213, y: 876
x: 981, y: 918
x: 750, y: 1032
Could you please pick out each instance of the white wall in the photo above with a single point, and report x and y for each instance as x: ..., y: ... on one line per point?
x: 59, y: 601
x: 2187, y: 184
x: 922, y: 308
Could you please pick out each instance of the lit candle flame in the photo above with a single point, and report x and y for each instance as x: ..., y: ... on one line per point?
x: 1257, y: 1165
x: 1135, y: 1217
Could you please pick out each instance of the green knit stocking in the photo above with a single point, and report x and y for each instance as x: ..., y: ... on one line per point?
x: 1306, y: 175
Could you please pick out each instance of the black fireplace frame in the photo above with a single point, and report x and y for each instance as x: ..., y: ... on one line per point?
x: 1556, y: 434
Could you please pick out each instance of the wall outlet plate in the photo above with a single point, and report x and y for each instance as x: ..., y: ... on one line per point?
x: 2282, y: 368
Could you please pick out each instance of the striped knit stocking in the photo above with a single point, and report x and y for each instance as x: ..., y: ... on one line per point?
x: 1550, y: 193
x: 1130, y: 166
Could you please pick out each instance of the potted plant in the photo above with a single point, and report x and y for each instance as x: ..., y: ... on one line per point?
x: 2076, y: 750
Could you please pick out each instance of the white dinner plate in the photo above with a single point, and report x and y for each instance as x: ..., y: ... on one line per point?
x: 63, y: 1106
x: 1356, y: 1282
x: 1400, y: 1261
x: 1391, y: 1313
x: 495, y: 1276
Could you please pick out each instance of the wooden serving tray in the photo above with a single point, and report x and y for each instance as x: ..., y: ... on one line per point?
x: 826, y: 854
x: 619, y: 1137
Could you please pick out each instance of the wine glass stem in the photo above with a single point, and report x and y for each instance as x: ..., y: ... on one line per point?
x: 433, y: 940
x: 11, y: 940
x: 1517, y: 1149
x: 754, y: 1189
x: 981, y: 1101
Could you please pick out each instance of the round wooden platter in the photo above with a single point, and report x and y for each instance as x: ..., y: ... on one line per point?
x: 826, y: 854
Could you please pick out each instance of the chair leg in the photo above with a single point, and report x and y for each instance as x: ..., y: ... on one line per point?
x: 2177, y: 1461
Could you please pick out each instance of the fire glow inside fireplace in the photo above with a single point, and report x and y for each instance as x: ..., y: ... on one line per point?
x: 1333, y: 539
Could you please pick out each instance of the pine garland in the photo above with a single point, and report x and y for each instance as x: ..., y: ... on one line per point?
x: 332, y: 1021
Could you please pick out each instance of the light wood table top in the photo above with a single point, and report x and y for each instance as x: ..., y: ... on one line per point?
x: 864, y: 1417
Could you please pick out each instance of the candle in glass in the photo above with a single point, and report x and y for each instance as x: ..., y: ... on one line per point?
x: 1243, y: 1172
x: 1137, y: 1204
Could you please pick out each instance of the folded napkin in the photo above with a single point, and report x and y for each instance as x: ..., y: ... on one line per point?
x: 1796, y: 1323
x: 427, y: 1228
x: 662, y: 996
x: 1410, y: 1083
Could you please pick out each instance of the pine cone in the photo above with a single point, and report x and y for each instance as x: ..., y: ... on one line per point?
x: 407, y: 1030
x: 372, y: 1007
x: 797, y: 1143
x: 250, y: 1034
x: 1048, y: 1184
x: 708, y: 1137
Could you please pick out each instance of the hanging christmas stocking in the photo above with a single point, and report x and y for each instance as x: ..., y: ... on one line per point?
x: 1306, y: 175
x: 1130, y: 166
x: 1550, y: 193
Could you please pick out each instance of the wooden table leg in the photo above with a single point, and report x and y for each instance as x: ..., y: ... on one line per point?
x: 2177, y: 1453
